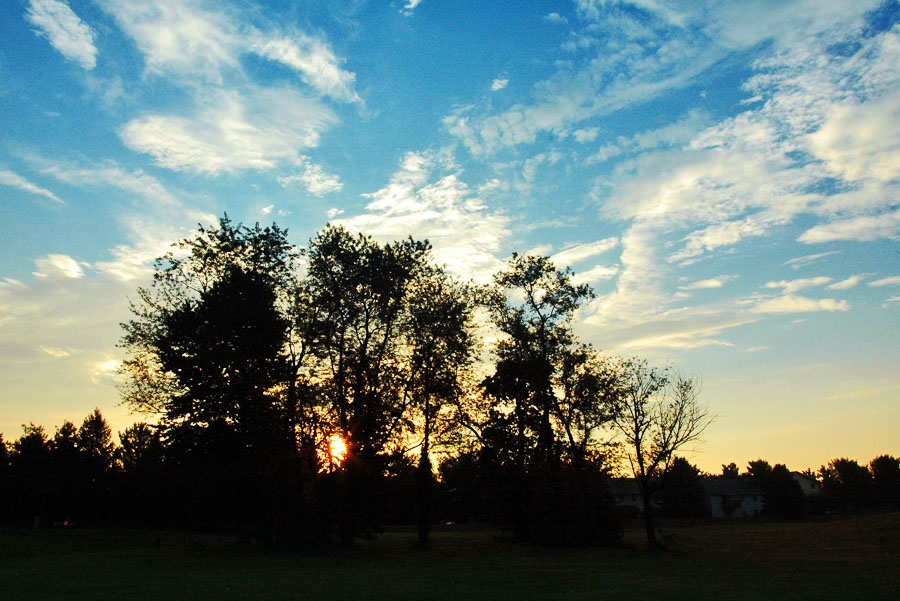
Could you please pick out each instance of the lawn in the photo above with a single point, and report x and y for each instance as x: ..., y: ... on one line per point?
x: 850, y: 558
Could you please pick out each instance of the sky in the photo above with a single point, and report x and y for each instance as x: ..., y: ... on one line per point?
x: 725, y: 175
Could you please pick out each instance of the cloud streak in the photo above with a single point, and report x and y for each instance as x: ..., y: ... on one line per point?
x: 14, y: 180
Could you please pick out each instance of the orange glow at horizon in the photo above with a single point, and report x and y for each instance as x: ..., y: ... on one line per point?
x: 337, y: 448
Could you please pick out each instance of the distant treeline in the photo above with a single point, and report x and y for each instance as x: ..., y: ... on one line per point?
x: 303, y: 396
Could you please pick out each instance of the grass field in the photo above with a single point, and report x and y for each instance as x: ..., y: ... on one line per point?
x: 850, y: 558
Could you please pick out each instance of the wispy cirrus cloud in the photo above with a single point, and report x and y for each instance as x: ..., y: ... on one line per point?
x: 798, y: 262
x: 14, y: 180
x: 105, y: 174
x: 314, y: 60
x: 65, y: 31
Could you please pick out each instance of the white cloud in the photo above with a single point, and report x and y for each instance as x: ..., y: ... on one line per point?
x: 267, y: 209
x: 588, y: 134
x: 315, y: 61
x: 709, y: 284
x: 555, y: 18
x: 799, y: 304
x: 253, y: 129
x: 106, y: 173
x: 56, y: 353
x: 189, y: 40
x: 56, y: 265
x: 410, y: 6
x: 499, y: 84
x: 14, y: 180
x: 791, y: 286
x: 65, y: 31
x: 863, y: 229
x: 316, y: 181
x: 798, y: 262
x: 861, y: 140
x: 595, y: 274
x: 576, y: 254
x: 847, y: 284
x: 889, y: 281
x: 426, y: 198
x: 178, y: 37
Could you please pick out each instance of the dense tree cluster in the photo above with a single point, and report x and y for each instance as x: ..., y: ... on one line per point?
x: 299, y: 395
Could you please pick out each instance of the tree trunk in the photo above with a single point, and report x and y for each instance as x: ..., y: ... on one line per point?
x: 424, y: 495
x: 652, y: 542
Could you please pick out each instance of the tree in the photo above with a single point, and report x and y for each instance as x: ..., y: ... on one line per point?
x: 441, y: 344
x: 142, y: 483
x: 360, y: 290
x: 784, y: 497
x: 683, y: 494
x: 847, y: 485
x: 70, y: 478
x: 95, y: 441
x: 31, y: 474
x: 730, y: 471
x: 140, y: 448
x: 886, y: 477
x: 657, y: 415
x: 532, y: 304
x: 208, y: 354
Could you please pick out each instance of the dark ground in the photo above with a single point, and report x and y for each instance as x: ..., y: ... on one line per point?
x: 846, y: 558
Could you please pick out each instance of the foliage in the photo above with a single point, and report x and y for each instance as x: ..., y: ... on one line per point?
x: 682, y: 493
x: 847, y: 485
x: 886, y: 478
x: 730, y: 471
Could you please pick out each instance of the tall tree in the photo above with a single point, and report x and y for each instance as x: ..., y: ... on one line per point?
x: 532, y: 304
x: 208, y: 354
x: 361, y: 292
x: 440, y: 345
x: 657, y: 415
x: 31, y: 474
x: 360, y: 289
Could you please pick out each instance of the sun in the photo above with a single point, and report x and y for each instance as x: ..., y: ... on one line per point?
x: 337, y: 448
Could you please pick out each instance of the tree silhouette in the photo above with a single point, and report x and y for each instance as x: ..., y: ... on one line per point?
x: 847, y: 485
x: 547, y: 394
x: 886, y: 477
x: 657, y: 415
x: 208, y: 355
x: 682, y: 491
x: 441, y: 345
x: 31, y: 474
x: 360, y: 290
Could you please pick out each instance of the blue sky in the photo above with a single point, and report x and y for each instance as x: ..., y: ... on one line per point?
x: 725, y: 175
